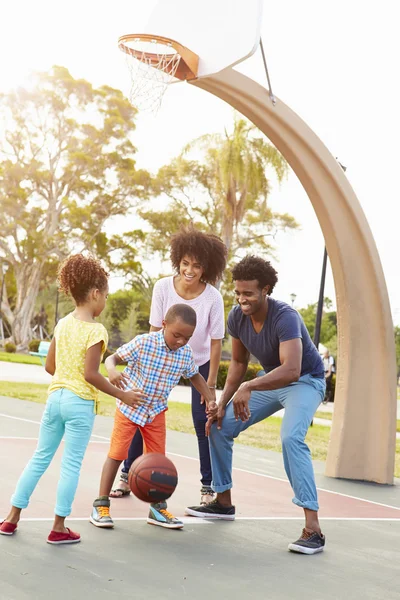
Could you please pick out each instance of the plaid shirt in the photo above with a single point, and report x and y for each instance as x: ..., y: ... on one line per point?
x: 155, y: 369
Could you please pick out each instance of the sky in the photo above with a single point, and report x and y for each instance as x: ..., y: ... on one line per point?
x: 335, y: 63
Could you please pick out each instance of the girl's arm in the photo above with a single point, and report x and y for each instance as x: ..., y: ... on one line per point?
x: 50, y: 365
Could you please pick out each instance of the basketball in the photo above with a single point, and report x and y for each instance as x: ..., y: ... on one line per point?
x: 153, y: 477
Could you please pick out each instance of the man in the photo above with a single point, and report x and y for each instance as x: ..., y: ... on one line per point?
x: 293, y: 378
x: 329, y: 368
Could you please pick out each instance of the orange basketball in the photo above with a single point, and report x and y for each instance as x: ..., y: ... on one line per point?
x: 153, y: 477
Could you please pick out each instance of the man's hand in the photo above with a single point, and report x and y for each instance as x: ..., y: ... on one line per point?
x: 117, y: 378
x: 241, y: 403
x: 133, y: 398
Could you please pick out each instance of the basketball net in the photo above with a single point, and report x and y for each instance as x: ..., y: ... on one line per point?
x: 152, y: 67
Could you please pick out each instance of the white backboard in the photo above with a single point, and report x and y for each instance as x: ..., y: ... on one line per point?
x: 222, y: 33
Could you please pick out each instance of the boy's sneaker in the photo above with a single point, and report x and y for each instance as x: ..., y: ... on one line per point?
x: 212, y: 510
x: 159, y: 515
x: 100, y: 516
x: 308, y: 543
x: 207, y: 495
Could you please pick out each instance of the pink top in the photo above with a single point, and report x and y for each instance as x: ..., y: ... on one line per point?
x: 209, y: 308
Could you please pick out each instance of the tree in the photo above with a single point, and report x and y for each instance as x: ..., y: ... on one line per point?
x: 66, y: 166
x: 225, y: 191
x: 328, y: 323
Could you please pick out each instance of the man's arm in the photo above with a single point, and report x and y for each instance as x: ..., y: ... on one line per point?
x: 236, y: 372
x: 290, y: 356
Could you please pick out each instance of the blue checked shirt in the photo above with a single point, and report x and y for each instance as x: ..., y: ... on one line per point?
x: 155, y: 369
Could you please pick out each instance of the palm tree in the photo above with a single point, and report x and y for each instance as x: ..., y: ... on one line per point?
x: 237, y: 164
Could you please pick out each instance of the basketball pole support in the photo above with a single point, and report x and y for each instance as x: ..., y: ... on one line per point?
x: 363, y: 436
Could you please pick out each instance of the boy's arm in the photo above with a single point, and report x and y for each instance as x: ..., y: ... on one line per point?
x: 92, y: 376
x: 201, y: 386
x: 115, y: 377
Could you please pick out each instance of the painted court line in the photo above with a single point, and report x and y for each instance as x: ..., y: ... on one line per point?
x: 235, y: 468
x: 197, y: 520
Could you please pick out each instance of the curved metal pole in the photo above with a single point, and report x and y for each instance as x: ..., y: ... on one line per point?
x: 363, y: 436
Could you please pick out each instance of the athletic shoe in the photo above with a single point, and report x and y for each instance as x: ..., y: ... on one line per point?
x: 159, y: 515
x: 207, y: 495
x: 308, y: 543
x: 100, y: 516
x: 7, y: 528
x: 212, y: 510
x: 67, y: 537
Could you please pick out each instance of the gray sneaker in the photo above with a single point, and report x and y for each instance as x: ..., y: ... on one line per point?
x: 159, y: 515
x: 308, y: 543
x: 100, y: 516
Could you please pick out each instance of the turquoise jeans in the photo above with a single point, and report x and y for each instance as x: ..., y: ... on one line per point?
x: 300, y: 401
x: 69, y: 416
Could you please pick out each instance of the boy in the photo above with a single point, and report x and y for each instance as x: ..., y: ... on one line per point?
x: 155, y: 364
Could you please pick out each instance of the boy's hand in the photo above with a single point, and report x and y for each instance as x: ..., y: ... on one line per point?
x: 212, y: 394
x: 133, y: 398
x: 117, y: 378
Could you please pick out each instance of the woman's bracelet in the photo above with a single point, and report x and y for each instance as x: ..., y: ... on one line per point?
x: 212, y: 387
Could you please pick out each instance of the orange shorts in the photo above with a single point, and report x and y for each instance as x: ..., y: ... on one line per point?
x: 154, y: 435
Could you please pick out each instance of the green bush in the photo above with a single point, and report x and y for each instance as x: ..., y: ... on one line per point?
x: 10, y: 348
x: 33, y: 345
x: 252, y: 371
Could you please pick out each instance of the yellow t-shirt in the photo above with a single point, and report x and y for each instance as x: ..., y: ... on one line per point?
x: 73, y: 338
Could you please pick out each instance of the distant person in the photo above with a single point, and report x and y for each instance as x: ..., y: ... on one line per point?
x: 155, y: 364
x: 74, y: 357
x: 199, y: 260
x: 329, y: 368
x: 293, y: 379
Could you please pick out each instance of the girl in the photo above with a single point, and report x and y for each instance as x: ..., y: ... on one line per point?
x: 199, y: 260
x: 73, y: 359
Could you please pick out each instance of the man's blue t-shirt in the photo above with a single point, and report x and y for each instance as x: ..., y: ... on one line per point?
x: 282, y: 323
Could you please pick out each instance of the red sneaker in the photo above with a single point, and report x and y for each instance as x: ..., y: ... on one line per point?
x: 55, y: 537
x: 7, y: 528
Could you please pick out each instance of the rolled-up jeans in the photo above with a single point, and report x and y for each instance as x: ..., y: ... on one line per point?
x: 300, y: 401
x: 69, y: 416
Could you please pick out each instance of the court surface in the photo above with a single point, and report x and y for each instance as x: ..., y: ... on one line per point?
x: 247, y: 558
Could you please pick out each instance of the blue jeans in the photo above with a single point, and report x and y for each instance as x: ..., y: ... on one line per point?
x: 300, y: 401
x: 68, y: 415
x: 199, y: 421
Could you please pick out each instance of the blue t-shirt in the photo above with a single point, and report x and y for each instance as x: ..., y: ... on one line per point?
x: 283, y: 323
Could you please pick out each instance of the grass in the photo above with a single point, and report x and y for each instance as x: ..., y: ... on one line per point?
x: 265, y: 435
x: 27, y: 359
x: 328, y: 416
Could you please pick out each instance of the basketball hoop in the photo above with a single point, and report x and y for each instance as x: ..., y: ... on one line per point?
x: 154, y: 62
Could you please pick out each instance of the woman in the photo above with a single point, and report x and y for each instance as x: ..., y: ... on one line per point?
x: 199, y: 260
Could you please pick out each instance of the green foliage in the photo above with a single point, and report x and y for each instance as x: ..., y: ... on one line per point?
x: 397, y: 343
x: 33, y: 345
x: 224, y: 191
x: 66, y: 167
x: 251, y: 372
x: 10, y: 347
x: 328, y: 324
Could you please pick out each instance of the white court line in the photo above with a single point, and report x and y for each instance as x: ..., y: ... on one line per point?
x: 237, y: 469
x: 197, y: 520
